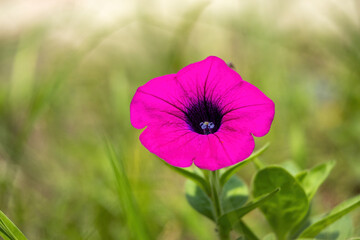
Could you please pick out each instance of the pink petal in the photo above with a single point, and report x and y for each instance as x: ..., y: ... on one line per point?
x: 210, y: 77
x: 156, y: 102
x: 225, y: 148
x: 247, y: 107
x: 156, y: 105
x: 177, y: 145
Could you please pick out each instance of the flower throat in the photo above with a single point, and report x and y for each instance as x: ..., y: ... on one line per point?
x: 204, y: 117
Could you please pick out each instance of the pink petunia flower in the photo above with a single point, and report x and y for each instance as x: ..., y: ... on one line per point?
x: 205, y: 114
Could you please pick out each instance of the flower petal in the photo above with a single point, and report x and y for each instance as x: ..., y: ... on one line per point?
x: 157, y: 102
x: 244, y: 104
x: 157, y: 105
x: 247, y: 107
x: 210, y: 78
x: 225, y: 148
x: 174, y: 144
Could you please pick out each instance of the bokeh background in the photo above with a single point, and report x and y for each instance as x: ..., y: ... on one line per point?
x: 68, y: 71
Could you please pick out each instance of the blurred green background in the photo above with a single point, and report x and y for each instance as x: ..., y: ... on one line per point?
x: 68, y: 71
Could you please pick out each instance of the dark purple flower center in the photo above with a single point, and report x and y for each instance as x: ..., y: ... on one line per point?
x: 204, y: 117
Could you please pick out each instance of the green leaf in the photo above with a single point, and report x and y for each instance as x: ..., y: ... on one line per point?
x: 198, y: 199
x: 227, y: 220
x: 192, y: 176
x: 341, y: 229
x: 270, y: 236
x: 338, y: 212
x: 285, y: 210
x: 305, y: 222
x: 291, y: 167
x: 234, y: 194
x: 232, y: 170
x: 245, y: 231
x: 8, y: 229
x: 311, y: 180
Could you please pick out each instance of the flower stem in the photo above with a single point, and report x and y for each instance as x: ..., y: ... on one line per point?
x: 215, y: 193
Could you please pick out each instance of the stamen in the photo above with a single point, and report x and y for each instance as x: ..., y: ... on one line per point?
x: 207, y: 127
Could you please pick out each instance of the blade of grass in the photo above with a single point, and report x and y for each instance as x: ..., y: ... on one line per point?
x: 8, y: 230
x: 135, y: 222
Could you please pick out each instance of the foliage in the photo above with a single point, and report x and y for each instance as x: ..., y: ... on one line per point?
x: 284, y: 199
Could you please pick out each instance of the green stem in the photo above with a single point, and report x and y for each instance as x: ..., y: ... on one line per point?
x: 215, y: 193
x: 258, y: 164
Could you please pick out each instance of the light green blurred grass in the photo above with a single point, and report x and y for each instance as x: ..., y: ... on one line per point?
x: 60, y: 98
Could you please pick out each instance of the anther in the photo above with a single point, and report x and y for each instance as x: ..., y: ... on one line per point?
x: 207, y: 127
